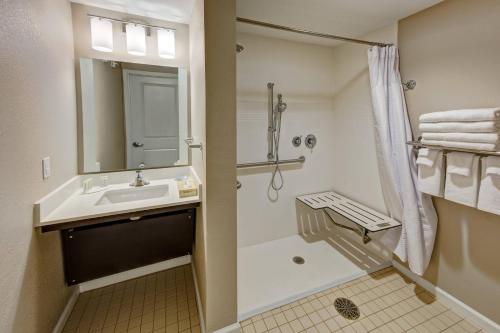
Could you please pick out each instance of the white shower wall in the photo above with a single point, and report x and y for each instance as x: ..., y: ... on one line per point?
x: 327, y: 93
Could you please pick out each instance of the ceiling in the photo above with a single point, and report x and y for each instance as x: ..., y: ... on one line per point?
x: 170, y: 10
x: 349, y: 18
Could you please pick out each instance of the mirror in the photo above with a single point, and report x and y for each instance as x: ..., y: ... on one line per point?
x: 132, y: 116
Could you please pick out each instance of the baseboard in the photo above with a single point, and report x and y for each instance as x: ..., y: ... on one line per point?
x: 233, y: 328
x: 198, y: 299
x: 67, y: 311
x: 134, y: 273
x: 246, y: 315
x: 453, y: 303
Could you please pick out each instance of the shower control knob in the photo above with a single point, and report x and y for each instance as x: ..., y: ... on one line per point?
x: 297, y: 140
x: 310, y: 141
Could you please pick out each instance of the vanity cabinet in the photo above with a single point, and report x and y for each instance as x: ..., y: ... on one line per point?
x: 98, y: 250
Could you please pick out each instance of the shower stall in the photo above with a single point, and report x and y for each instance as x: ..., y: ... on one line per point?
x: 289, y: 90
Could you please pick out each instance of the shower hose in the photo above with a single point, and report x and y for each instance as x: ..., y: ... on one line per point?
x: 277, y: 178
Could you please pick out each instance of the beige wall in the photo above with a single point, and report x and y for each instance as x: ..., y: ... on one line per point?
x: 452, y: 50
x: 37, y: 119
x: 214, y: 123
x: 197, y: 83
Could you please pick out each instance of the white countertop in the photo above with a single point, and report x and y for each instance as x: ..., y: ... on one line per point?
x: 74, y: 205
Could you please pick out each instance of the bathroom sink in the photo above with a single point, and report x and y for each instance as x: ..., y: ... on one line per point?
x: 133, y: 194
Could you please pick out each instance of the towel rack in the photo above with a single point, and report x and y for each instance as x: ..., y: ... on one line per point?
x: 301, y: 159
x: 418, y: 145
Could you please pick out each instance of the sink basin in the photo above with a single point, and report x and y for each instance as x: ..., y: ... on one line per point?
x: 133, y: 194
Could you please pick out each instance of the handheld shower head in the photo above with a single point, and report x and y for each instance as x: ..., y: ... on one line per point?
x: 281, y: 106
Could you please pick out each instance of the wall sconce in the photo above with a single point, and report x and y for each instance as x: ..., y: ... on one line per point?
x: 101, y: 32
x: 166, y: 43
x: 136, y: 39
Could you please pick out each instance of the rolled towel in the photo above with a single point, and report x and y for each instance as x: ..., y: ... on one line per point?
x: 461, y: 115
x: 489, y: 191
x: 461, y: 127
x: 462, y: 179
x: 462, y: 137
x: 461, y: 145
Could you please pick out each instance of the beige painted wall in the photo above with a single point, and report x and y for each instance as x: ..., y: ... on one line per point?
x: 452, y: 50
x: 214, y: 123
x: 197, y: 83
x: 37, y: 119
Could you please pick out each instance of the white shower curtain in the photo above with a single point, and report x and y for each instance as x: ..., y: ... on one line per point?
x: 415, y: 240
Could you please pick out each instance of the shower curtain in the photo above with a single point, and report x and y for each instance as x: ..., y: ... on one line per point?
x: 397, y: 168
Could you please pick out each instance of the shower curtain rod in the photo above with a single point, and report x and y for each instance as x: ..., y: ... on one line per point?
x: 309, y: 33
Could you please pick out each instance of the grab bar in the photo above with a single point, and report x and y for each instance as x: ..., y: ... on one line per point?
x: 301, y: 159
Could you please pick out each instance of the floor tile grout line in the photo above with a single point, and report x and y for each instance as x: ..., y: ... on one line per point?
x: 323, y: 307
x: 434, y: 316
x: 416, y: 309
x: 342, y: 327
x: 458, y: 322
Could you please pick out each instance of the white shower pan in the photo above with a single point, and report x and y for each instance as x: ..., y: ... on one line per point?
x: 268, y: 277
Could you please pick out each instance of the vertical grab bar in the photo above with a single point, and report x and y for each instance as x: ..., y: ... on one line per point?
x: 270, y: 121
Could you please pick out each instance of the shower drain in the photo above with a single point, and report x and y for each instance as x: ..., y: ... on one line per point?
x: 346, y: 308
x: 298, y: 260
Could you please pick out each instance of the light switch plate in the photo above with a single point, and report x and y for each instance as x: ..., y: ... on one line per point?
x: 46, y: 167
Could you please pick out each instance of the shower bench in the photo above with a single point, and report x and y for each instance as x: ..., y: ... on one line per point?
x: 366, y: 219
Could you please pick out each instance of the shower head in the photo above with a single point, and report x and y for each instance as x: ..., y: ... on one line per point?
x: 239, y: 48
x: 281, y: 106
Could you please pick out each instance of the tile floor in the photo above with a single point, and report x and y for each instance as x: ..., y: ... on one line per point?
x: 388, y: 302
x: 160, y: 302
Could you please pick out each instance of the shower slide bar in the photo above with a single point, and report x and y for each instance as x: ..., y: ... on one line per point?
x: 301, y: 159
x: 365, y: 218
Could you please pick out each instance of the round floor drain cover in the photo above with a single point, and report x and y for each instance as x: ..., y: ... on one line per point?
x: 298, y: 260
x: 346, y: 308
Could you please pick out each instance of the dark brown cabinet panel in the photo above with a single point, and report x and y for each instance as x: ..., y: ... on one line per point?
x: 95, y: 251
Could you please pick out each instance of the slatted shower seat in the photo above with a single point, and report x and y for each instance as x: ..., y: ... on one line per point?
x: 366, y: 219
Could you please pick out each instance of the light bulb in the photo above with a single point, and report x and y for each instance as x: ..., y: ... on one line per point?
x: 136, y: 39
x: 101, y: 32
x: 166, y: 43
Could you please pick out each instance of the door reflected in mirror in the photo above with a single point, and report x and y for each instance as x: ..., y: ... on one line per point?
x: 132, y: 116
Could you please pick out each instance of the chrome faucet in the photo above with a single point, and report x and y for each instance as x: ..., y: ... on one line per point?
x: 139, y: 180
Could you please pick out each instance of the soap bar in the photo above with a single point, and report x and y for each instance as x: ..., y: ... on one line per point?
x: 187, y: 188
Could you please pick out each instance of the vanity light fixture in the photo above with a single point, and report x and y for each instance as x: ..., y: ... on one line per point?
x: 136, y: 39
x: 101, y: 31
x: 166, y: 43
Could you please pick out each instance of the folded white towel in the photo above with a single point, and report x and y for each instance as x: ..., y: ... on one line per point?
x: 460, y: 164
x: 489, y: 191
x: 463, y: 137
x: 461, y: 127
x: 462, y: 145
x: 462, y: 178
x: 430, y: 171
x: 461, y: 115
x: 427, y: 156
